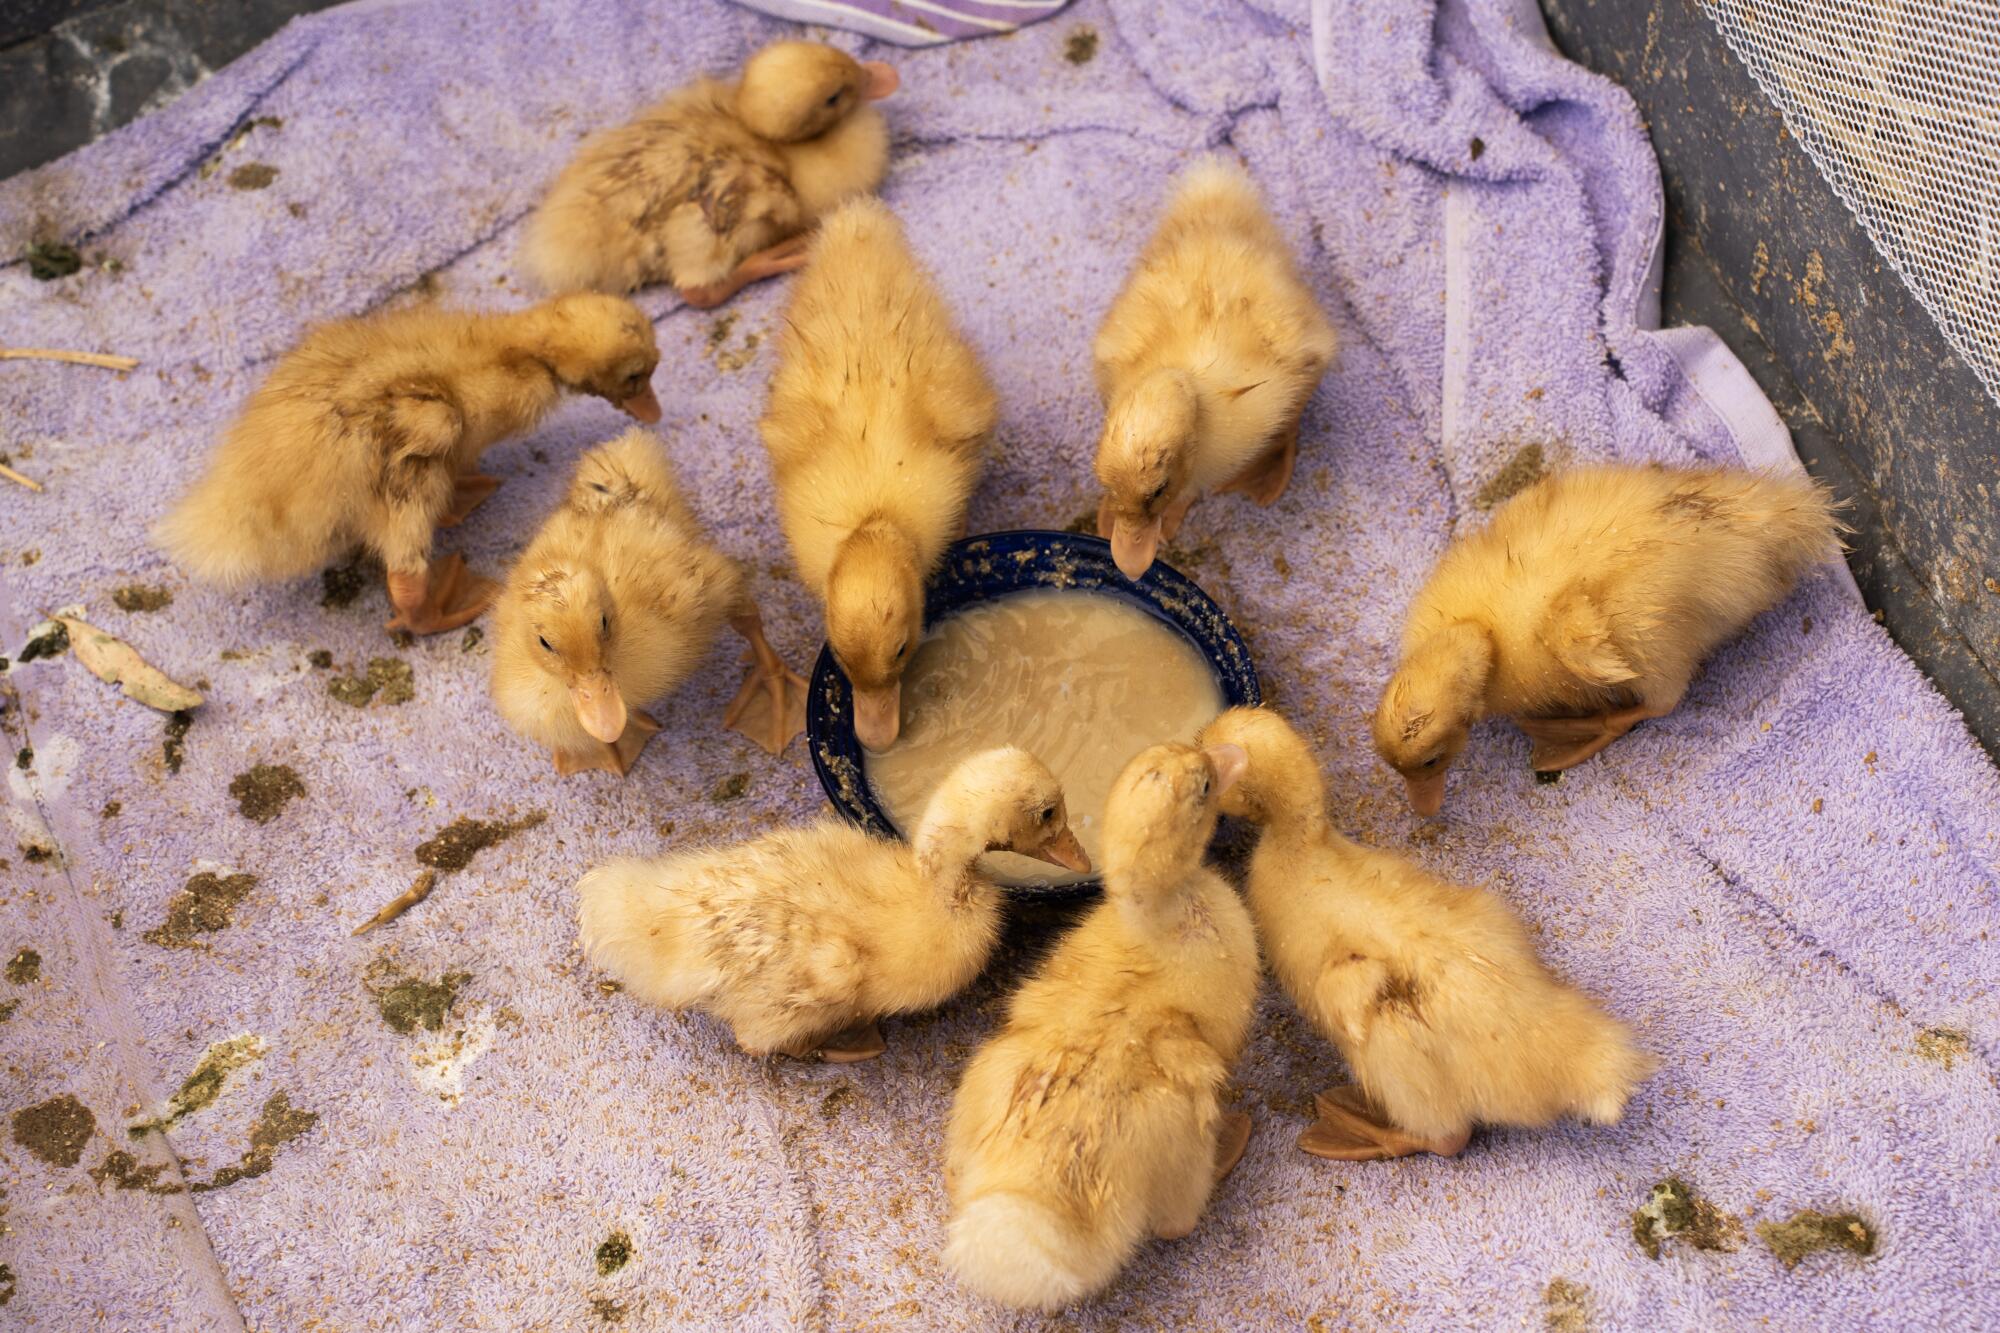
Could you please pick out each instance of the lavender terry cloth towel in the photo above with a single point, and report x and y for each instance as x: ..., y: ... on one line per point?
x: 451, y: 1122
x: 913, y: 22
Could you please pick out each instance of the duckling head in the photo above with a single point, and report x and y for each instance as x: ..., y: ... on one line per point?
x: 1143, y: 458
x: 793, y: 91
x: 1282, y: 781
x: 1429, y: 706
x: 601, y: 345
x: 874, y: 618
x: 1162, y: 811
x: 567, y: 630
x: 1007, y: 800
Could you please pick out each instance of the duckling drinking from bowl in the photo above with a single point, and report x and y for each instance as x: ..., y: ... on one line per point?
x: 1094, y: 1121
x: 876, y: 424
x: 614, y: 603
x: 1205, y: 362
x: 801, y: 939
x: 714, y: 188
x: 1431, y: 991
x: 1587, y: 605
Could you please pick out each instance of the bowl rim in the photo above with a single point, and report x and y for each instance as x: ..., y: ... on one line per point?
x: 837, y: 757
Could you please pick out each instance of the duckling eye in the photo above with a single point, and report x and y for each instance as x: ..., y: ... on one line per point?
x: 545, y: 643
x: 1048, y: 813
x: 1204, y: 789
x: 903, y: 651
x: 834, y: 99
x: 1157, y: 494
x: 604, y: 623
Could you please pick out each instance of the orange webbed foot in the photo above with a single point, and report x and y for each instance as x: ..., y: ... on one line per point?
x: 451, y: 597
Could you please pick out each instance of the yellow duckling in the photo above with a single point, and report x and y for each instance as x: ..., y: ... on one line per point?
x: 1205, y: 362
x: 714, y: 187
x: 801, y: 939
x: 370, y: 431
x: 1094, y: 1121
x: 1432, y: 992
x: 1587, y: 605
x: 614, y: 602
x: 876, y: 423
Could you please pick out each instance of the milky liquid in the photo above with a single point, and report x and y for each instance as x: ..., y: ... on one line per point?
x: 1081, y: 681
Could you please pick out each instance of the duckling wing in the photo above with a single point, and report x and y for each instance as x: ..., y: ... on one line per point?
x: 734, y: 192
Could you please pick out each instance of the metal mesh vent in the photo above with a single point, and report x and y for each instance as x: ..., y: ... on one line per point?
x: 1898, y: 103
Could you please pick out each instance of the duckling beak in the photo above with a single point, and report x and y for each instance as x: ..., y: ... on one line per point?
x: 1133, y: 546
x: 599, y: 706
x: 1231, y: 761
x: 1065, y: 851
x: 878, y: 716
x: 642, y: 406
x: 1426, y: 794
x: 882, y: 80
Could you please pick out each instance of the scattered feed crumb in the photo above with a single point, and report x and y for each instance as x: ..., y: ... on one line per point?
x: 605, y: 1308
x: 142, y: 597
x: 1521, y: 471
x: 1080, y: 48
x: 1944, y: 1045
x: 205, y: 904
x: 1548, y: 777
x: 55, y: 1130
x: 454, y: 846
x: 1477, y: 148
x: 730, y: 788
x: 1808, y: 1232
x: 1676, y: 1212
x: 407, y: 1003
x: 24, y: 967
x: 614, y: 1253
x: 8, y: 1008
x: 473, y: 635
x: 836, y: 1100
x: 263, y: 792
x: 1566, y: 1306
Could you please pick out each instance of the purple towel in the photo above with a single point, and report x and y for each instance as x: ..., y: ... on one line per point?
x: 913, y: 22
x: 1787, y: 888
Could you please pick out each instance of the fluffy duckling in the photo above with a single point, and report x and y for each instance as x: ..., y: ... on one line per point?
x: 712, y: 188
x: 614, y: 602
x: 1205, y: 362
x: 801, y: 939
x: 1587, y: 605
x: 876, y: 423
x: 371, y: 429
x: 1432, y: 992
x: 1094, y: 1121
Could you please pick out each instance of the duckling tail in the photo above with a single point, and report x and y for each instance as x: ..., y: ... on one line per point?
x: 1013, y: 1248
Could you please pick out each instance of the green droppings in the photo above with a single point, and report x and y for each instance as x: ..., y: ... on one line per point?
x: 51, y: 642
x: 730, y: 788
x: 7, y: 1284
x: 836, y: 1100
x: 320, y: 658
x: 407, y: 1003
x: 206, y: 904
x: 174, y: 747
x: 55, y: 1130
x: 1944, y: 1045
x: 1676, y: 1212
x: 49, y: 260
x: 473, y: 634
x: 614, y: 1253
x: 263, y: 792
x: 605, y: 1308
x: 1808, y: 1232
x: 275, y: 1126
x: 24, y: 967
x: 1080, y: 48
x: 341, y: 584
x: 1548, y: 777
x: 388, y: 678
x: 8, y: 1008
x: 112, y: 809
x: 142, y: 597
x: 1477, y: 148
x: 24, y: 758
x: 122, y: 1169
x: 1523, y: 470
x: 252, y: 176
x: 200, y: 1089
x: 454, y: 846
x: 1566, y: 1306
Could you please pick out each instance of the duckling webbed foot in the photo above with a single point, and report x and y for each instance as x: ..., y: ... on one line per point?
x: 770, y: 707
x: 617, y: 757
x: 1565, y: 742
x: 850, y: 1046
x: 468, y: 492
x: 1266, y: 478
x: 1230, y: 1142
x: 783, y: 257
x: 448, y: 596
x: 1351, y: 1128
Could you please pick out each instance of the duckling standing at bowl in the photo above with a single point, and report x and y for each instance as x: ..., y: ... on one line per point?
x: 1431, y: 991
x: 1205, y: 362
x: 876, y: 423
x: 371, y: 429
x: 1094, y: 1121
x: 713, y: 188
x: 801, y: 939
x: 1587, y: 605
x: 613, y: 603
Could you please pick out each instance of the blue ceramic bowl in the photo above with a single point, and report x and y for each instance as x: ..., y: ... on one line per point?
x: 981, y: 569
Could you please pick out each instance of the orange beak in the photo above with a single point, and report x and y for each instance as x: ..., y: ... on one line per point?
x: 1426, y: 794
x: 878, y: 716
x: 642, y: 406
x: 1231, y: 762
x: 1065, y: 851
x: 882, y: 80
x: 1133, y: 546
x: 599, y: 707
